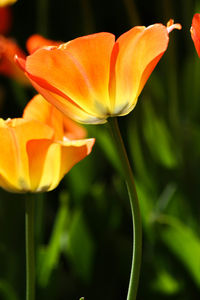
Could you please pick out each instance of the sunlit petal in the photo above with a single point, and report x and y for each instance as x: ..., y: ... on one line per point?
x: 14, y: 135
x: 65, y: 105
x: 39, y: 109
x: 81, y: 73
x: 139, y: 51
x: 57, y: 159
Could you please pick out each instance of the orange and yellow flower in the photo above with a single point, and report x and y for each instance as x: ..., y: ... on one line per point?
x: 94, y: 77
x: 7, y: 2
x: 40, y: 148
x: 195, y: 32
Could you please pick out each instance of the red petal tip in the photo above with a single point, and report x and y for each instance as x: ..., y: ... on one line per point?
x: 21, y: 62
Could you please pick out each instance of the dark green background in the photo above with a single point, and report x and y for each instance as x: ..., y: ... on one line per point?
x: 83, y: 228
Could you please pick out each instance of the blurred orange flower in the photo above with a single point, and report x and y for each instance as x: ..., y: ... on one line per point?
x: 93, y: 77
x: 36, y: 151
x: 9, y: 48
x: 37, y: 41
x: 195, y: 32
x: 5, y: 19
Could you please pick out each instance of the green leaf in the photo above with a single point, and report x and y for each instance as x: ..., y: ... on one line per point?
x: 6, y: 291
x: 137, y: 154
x: 80, y: 246
x: 80, y: 177
x: 184, y: 243
x: 103, y: 139
x: 48, y: 256
x: 166, y: 284
x: 145, y: 197
x: 158, y: 138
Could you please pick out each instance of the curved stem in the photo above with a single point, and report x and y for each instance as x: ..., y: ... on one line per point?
x: 137, y: 226
x: 30, y: 255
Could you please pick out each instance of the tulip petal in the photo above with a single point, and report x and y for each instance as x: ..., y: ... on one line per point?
x: 37, y: 41
x: 8, y: 159
x: 8, y: 185
x: 14, y: 134
x: 119, y: 50
x: 79, y: 69
x: 39, y: 109
x: 139, y: 50
x: 58, y: 99
x: 67, y: 107
x: 195, y: 32
x: 73, y: 130
x: 54, y: 160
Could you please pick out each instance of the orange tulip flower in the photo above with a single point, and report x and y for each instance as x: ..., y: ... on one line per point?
x: 93, y: 77
x: 195, y: 32
x: 35, y: 150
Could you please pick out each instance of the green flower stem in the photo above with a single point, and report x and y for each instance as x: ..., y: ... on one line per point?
x: 137, y: 226
x: 30, y: 251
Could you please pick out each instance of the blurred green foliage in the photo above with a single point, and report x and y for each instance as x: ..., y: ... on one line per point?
x: 83, y: 228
